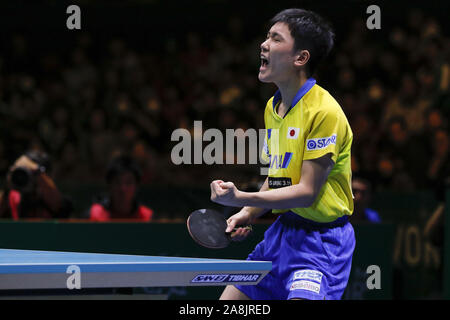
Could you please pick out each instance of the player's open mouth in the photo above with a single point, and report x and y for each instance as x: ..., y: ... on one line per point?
x: 264, y: 62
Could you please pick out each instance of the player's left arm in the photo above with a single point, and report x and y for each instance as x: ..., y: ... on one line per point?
x: 302, y: 195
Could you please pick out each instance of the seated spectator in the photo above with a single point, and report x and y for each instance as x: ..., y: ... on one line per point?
x: 362, y: 194
x: 123, y: 177
x: 31, y: 192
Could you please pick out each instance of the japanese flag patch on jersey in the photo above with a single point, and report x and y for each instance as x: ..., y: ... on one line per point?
x: 292, y: 133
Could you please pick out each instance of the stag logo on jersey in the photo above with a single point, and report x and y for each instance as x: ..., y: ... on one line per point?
x: 320, y: 143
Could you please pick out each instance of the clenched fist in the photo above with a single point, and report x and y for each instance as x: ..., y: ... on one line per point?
x: 225, y: 193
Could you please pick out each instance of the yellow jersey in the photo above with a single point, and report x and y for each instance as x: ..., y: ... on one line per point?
x: 314, y: 126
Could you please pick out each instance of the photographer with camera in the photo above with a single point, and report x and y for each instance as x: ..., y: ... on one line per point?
x: 31, y: 192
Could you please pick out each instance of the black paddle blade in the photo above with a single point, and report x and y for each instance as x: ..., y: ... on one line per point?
x: 207, y: 228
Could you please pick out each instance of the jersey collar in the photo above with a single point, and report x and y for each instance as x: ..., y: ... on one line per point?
x: 300, y: 93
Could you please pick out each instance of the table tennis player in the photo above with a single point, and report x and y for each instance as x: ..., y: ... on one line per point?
x: 308, y: 145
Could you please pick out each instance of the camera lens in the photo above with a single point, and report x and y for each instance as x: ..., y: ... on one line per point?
x: 20, y: 178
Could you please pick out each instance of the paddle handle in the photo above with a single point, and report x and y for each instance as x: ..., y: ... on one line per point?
x: 245, y: 227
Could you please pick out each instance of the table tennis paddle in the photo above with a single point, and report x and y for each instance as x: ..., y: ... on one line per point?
x: 207, y: 228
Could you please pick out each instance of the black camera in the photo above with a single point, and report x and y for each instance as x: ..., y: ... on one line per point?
x: 23, y: 179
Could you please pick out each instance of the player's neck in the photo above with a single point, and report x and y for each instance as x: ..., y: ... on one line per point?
x: 289, y: 90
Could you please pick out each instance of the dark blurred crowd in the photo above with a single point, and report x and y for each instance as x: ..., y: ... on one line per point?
x: 104, y: 98
x: 396, y: 95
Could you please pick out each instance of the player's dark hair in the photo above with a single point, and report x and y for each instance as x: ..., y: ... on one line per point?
x: 310, y: 32
x: 122, y: 164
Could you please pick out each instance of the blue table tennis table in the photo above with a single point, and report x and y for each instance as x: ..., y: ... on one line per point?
x: 31, y: 269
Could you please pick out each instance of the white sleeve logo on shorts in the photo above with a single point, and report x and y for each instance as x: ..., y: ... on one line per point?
x: 307, y: 280
x: 306, y: 285
x: 312, y: 275
x: 320, y: 143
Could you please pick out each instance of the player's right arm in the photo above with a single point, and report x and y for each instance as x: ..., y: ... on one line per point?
x: 246, y: 216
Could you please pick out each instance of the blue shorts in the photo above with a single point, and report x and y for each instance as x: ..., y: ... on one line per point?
x: 310, y: 260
